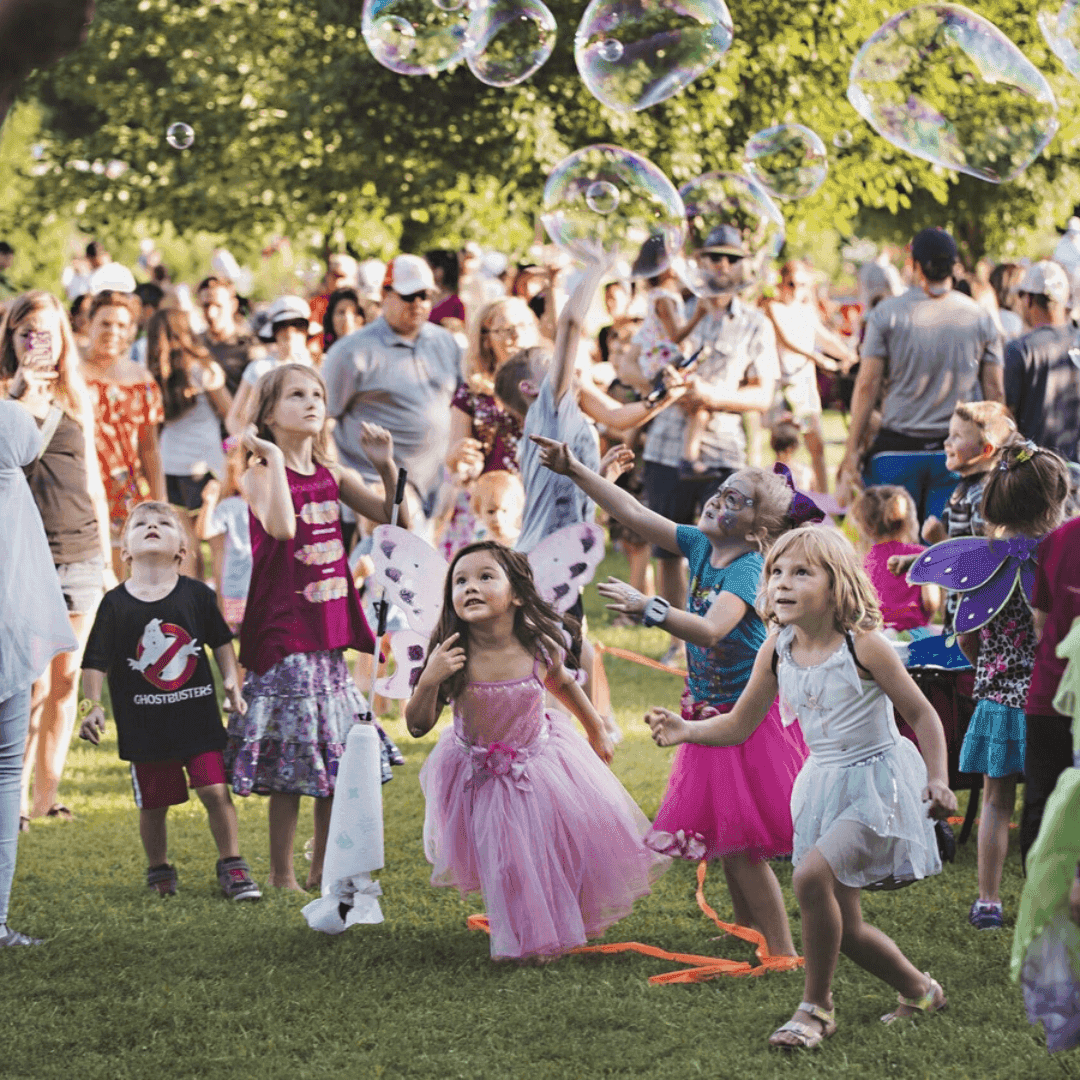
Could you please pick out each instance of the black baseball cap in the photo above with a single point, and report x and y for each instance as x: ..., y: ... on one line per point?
x: 933, y: 246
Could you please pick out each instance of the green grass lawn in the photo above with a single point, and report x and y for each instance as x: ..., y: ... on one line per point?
x: 130, y: 985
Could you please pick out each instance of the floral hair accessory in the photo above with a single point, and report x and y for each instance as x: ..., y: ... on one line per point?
x: 230, y: 444
x: 1025, y: 451
x: 803, y: 508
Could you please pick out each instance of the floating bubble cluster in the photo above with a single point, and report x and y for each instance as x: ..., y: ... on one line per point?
x: 507, y: 40
x: 634, y: 53
x: 1062, y: 33
x: 942, y: 83
x: 179, y: 135
x: 604, y: 198
x: 788, y: 160
x: 415, y: 37
x: 727, y: 215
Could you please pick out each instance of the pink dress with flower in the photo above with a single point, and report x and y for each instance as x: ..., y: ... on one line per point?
x: 520, y: 809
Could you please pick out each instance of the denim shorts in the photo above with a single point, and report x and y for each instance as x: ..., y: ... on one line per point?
x: 82, y: 584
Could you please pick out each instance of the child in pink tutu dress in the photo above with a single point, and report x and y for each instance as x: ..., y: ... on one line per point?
x: 518, y: 807
x: 729, y: 803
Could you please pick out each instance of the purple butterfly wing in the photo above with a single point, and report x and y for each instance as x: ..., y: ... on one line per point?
x: 967, y: 562
x: 979, y: 606
x: 1027, y: 579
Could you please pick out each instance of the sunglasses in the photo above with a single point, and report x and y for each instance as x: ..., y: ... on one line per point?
x: 719, y: 256
x: 411, y: 298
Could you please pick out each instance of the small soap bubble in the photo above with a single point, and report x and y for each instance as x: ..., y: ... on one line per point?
x: 946, y: 85
x: 415, y: 37
x: 602, y: 197
x: 606, y: 199
x: 508, y: 40
x: 842, y: 140
x: 788, y: 160
x: 632, y: 55
x: 115, y: 169
x: 1062, y: 33
x: 179, y: 135
x: 727, y: 215
x: 610, y: 50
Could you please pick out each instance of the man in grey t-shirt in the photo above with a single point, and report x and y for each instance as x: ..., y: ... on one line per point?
x: 923, y: 352
x: 399, y: 371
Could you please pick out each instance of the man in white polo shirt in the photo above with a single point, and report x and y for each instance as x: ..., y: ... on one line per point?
x: 399, y: 371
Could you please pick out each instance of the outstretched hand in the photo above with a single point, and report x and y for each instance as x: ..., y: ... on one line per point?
x: 556, y: 456
x: 668, y: 728
x: 618, y: 460
x: 625, y: 598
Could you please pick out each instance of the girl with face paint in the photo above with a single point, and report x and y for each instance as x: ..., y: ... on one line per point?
x: 731, y: 803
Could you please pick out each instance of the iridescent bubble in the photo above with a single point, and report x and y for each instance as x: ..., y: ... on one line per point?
x: 415, y: 37
x: 1062, y: 33
x: 633, y: 53
x: 946, y: 85
x: 179, y: 135
x: 842, y: 140
x: 727, y: 215
x: 449, y: 5
x: 607, y: 199
x: 115, y: 169
x: 602, y: 196
x: 508, y: 40
x: 788, y: 160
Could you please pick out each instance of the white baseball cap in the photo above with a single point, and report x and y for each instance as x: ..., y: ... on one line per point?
x: 1046, y: 278
x: 113, y: 277
x: 287, y: 309
x: 408, y: 274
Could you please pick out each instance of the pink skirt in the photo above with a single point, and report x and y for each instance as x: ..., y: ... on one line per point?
x: 729, y: 800
x: 546, y: 833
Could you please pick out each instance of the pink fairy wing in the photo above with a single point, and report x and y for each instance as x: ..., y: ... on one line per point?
x: 412, y: 572
x: 564, y: 562
x: 408, y: 649
x: 964, y: 563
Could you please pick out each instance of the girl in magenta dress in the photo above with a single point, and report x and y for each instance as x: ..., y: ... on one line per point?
x: 519, y: 807
x: 302, y: 611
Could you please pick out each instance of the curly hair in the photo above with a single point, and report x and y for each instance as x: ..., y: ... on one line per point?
x: 855, y: 600
x: 537, y: 625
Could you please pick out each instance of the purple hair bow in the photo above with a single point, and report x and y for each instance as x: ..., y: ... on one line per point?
x: 984, y: 571
x: 803, y: 508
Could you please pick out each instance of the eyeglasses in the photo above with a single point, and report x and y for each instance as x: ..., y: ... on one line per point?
x: 718, y: 256
x: 411, y: 298
x: 501, y: 331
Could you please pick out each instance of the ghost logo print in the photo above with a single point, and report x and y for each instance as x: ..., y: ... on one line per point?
x: 166, y: 655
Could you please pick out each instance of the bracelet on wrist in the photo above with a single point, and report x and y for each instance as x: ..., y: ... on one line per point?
x: 655, y: 611
x: 87, y: 706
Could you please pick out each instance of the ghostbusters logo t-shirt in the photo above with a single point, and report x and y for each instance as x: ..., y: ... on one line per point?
x: 160, y: 683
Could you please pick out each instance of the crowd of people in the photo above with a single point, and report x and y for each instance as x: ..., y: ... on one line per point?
x: 182, y: 469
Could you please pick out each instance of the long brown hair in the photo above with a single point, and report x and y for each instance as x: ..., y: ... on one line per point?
x: 172, y: 350
x: 68, y: 389
x: 268, y: 393
x: 537, y: 625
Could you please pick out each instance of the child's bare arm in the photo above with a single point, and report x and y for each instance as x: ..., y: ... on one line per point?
x: 422, y: 710
x: 378, y: 444
x: 931, y: 599
x: 725, y: 613
x: 93, y: 725
x: 933, y: 531
x: 567, y: 691
x: 1038, y: 618
x: 265, y: 487
x: 571, y: 320
x: 969, y: 646
x: 881, y: 660
x: 731, y: 728
x: 230, y: 677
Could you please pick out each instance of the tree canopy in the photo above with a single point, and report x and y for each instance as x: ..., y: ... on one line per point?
x: 297, y: 127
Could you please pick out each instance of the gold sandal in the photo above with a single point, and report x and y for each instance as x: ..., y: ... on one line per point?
x: 806, y: 1036
x: 932, y: 1001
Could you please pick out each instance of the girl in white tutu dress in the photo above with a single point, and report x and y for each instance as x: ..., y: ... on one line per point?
x: 862, y: 801
x: 519, y: 807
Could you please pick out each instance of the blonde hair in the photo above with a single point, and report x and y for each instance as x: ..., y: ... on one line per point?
x: 153, y: 507
x: 498, y: 482
x: 478, y: 367
x: 772, y: 501
x: 268, y: 393
x: 887, y: 512
x: 855, y: 600
x: 69, y: 391
x: 992, y: 419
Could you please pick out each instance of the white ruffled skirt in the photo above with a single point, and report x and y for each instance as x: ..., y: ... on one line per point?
x: 868, y: 819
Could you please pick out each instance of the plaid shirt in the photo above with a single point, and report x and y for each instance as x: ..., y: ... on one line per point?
x: 738, y: 346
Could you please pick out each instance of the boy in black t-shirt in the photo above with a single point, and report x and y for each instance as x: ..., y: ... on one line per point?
x: 149, y: 638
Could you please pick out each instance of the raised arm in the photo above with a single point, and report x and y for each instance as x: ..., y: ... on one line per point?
x: 265, y: 487
x: 616, y: 501
x: 731, y: 728
x: 378, y: 446
x: 725, y: 613
x: 568, y: 332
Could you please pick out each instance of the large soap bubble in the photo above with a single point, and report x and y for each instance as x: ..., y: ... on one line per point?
x: 788, y: 160
x: 604, y: 197
x: 415, y: 37
x: 727, y: 215
x: 508, y: 40
x: 634, y: 53
x: 942, y: 83
x: 179, y: 135
x: 1062, y: 33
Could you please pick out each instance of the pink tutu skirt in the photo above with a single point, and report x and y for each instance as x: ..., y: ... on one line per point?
x: 545, y: 832
x: 726, y: 800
